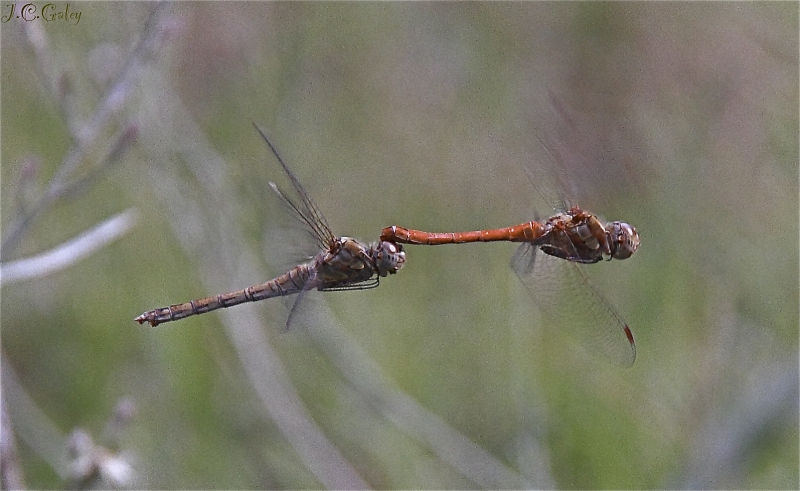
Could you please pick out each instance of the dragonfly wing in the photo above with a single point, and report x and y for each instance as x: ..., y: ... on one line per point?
x: 523, y: 260
x: 305, y: 208
x: 569, y: 302
x: 299, y: 310
x: 319, y: 232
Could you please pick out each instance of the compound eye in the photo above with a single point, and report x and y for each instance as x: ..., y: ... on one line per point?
x: 389, y: 258
x: 626, y: 240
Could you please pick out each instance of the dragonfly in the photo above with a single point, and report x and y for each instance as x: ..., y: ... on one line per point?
x: 550, y: 263
x: 343, y: 263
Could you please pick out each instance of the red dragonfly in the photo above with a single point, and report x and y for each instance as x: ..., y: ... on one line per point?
x: 560, y: 286
x: 550, y: 263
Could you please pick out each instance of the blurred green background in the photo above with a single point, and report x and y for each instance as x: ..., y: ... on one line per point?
x: 684, y: 123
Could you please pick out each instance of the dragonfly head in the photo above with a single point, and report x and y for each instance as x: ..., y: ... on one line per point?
x: 624, y: 240
x: 389, y: 257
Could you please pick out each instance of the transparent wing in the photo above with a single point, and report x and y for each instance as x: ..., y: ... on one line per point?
x: 295, y: 244
x: 301, y: 309
x: 304, y: 208
x: 321, y: 236
x: 569, y: 302
x: 304, y: 307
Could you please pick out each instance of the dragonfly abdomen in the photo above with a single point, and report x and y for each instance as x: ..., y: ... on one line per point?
x: 288, y: 283
x: 525, y: 232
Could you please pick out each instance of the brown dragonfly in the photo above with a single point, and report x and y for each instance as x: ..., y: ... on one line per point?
x: 342, y: 264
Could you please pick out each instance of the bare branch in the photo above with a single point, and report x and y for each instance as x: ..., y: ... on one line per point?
x: 69, y: 252
x: 450, y: 445
x: 11, y: 476
x: 84, y: 136
x: 33, y: 427
x: 59, y: 189
x: 59, y: 84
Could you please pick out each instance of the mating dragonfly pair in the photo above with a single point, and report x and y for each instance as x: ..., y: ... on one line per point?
x: 547, y: 263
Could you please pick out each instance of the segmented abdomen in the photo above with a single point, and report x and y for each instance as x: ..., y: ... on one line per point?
x: 288, y: 283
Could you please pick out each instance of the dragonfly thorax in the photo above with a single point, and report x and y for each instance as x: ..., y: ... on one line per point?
x: 346, y: 261
x: 579, y: 236
x: 354, y: 262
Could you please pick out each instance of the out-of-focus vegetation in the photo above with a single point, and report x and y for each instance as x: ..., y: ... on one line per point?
x: 684, y: 123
